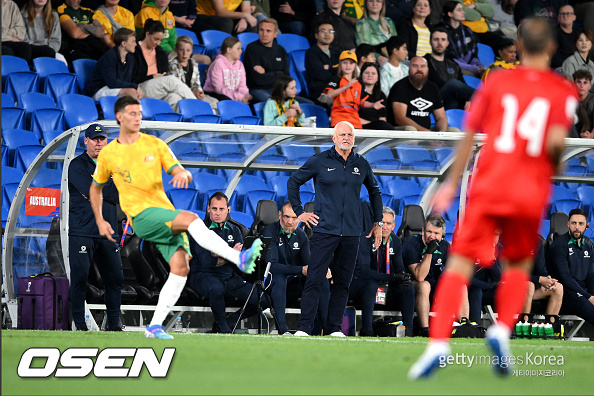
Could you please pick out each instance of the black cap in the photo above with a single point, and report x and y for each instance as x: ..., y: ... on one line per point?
x: 95, y: 130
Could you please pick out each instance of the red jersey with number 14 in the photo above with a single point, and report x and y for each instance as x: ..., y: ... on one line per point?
x: 515, y: 109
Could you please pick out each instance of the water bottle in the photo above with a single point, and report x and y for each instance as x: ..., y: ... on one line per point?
x: 400, y: 330
x: 88, y: 322
x: 519, y: 330
x: 541, y: 330
x: 178, y: 325
x: 549, y: 332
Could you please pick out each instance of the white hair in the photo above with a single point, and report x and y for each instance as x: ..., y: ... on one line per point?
x: 345, y: 123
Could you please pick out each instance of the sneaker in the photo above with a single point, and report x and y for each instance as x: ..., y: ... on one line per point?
x: 430, y: 360
x: 337, y: 334
x: 497, y: 339
x: 156, y: 331
x: 300, y: 333
x: 288, y: 333
x: 247, y: 258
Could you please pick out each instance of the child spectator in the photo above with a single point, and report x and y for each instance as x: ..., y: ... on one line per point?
x: 158, y: 10
x: 225, y: 79
x: 282, y: 109
x: 184, y: 67
x: 346, y: 92
x: 394, y: 70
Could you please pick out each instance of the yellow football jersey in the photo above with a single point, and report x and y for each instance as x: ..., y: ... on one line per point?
x: 136, y: 170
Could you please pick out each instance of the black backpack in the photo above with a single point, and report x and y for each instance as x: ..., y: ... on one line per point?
x: 468, y: 330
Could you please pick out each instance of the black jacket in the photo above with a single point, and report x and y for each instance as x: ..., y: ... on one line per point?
x: 273, y: 59
x: 111, y: 72
x: 407, y: 31
x: 442, y: 72
x: 287, y: 255
x: 414, y: 249
x: 344, y: 36
x: 81, y: 221
x: 317, y: 76
x: 139, y: 74
x: 371, y: 263
x: 337, y: 186
x: 572, y: 265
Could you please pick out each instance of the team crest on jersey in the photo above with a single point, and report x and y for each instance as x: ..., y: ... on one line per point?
x: 356, y: 171
x: 391, y: 250
x: 586, y: 254
x: 230, y: 238
x: 170, y: 23
x: 296, y: 245
x: 149, y: 158
x: 438, y: 262
x: 570, y: 251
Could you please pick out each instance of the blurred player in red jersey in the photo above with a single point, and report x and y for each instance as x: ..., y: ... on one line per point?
x: 526, y: 115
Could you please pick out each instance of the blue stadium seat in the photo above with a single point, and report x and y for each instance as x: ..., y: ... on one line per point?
x: 386, y: 164
x: 47, y: 177
x: 279, y: 186
x: 207, y: 182
x: 49, y: 135
x: 228, y: 173
x: 295, y: 74
x: 218, y: 146
x: 151, y: 107
x: 297, y: 59
x: 379, y: 153
x: 60, y: 84
x: 455, y: 117
x: 560, y: 192
x: 246, y: 183
x: 11, y: 175
x: 18, y: 83
x: 44, y: 66
x: 291, y: 42
x: 14, y: 138
x: 24, y: 156
x: 83, y: 68
x: 430, y: 165
x: 13, y: 118
x: 251, y: 198
x: 306, y: 197
x: 294, y: 151
x: 243, y: 218
x: 213, y: 39
x: 443, y: 154
x: 183, y: 198
x: 191, y: 107
x: 11, y: 64
x: 78, y: 109
x: 167, y: 117
x: 246, y: 38
x: 206, y: 119
x: 452, y: 213
x: 8, y: 193
x: 310, y: 110
x: 565, y: 205
x: 47, y: 120
x: 409, y: 154
x: 545, y: 228
x: 586, y: 195
x: 107, y: 106
x: 231, y: 108
x: 259, y: 109
x: 198, y: 48
x: 246, y: 120
x: 7, y: 100
x: 472, y: 81
x: 4, y: 216
x: 31, y: 101
x: 485, y: 54
x: 202, y: 69
x: 400, y: 188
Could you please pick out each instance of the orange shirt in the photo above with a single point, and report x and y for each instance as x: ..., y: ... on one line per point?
x: 345, y: 106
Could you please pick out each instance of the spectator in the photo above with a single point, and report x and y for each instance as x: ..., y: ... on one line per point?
x: 185, y: 68
x: 542, y: 286
x: 446, y: 73
x: 344, y: 37
x: 372, y: 112
x: 338, y: 175
x: 112, y: 75
x: 226, y: 15
x: 476, y: 13
x: 412, y: 100
x: 462, y: 41
x: 585, y: 12
x: 14, y: 32
x: 43, y: 29
x: 505, y: 59
x: 380, y: 273
x: 394, y: 70
x: 85, y: 242
x: 214, y: 277
x: 365, y: 53
x: 225, y: 78
x: 546, y: 9
x: 398, y: 10
x: 113, y: 17
x: 158, y: 10
x: 293, y: 16
x: 320, y: 63
x: 151, y: 66
x: 282, y: 109
x: 82, y: 36
x: 374, y: 28
x: 353, y: 10
x: 425, y: 256
x: 184, y: 13
x: 502, y: 20
x: 566, y: 36
x: 289, y: 258
x: 415, y: 30
x: 584, y: 126
x: 581, y: 57
x: 346, y: 92
x: 570, y: 261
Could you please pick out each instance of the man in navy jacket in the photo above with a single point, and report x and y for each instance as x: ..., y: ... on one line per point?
x: 337, y: 223
x: 85, y: 242
x: 289, y: 259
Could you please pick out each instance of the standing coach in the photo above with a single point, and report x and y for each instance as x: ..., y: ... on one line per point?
x: 338, y: 175
x: 85, y: 242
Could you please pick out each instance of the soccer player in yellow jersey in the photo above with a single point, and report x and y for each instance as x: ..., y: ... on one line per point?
x: 135, y: 160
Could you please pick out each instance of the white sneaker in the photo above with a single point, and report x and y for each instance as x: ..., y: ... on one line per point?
x: 287, y: 333
x: 434, y: 357
x: 300, y: 333
x: 497, y: 339
x: 267, y: 313
x: 337, y: 334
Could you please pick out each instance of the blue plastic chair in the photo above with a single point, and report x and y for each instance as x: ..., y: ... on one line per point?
x: 246, y: 183
x: 206, y: 119
x: 59, y: 84
x: 409, y: 154
x: 151, y: 107
x: 485, y: 54
x: 11, y: 64
x: 231, y: 108
x: 545, y: 228
x: 167, y: 117
x: 246, y: 120
x: 259, y: 109
x: 246, y: 38
x: 379, y: 153
x: 44, y: 66
x: 297, y: 59
x: 207, y: 182
x: 107, y: 104
x: 78, y: 109
x: 400, y: 188
x: 565, y: 205
x: 291, y: 42
x: 310, y: 110
x: 212, y: 40
x: 455, y: 117
x: 49, y: 135
x: 47, y: 120
x: 197, y: 47
x: 25, y: 155
x: 443, y: 154
x: 11, y: 175
x: 183, y: 198
x: 202, y: 69
x: 191, y: 107
x: 47, y: 177
x: 216, y: 147
x: 31, y: 101
x: 7, y: 100
x: 294, y: 150
x: 13, y: 138
x: 18, y: 83
x: 472, y: 81
x: 13, y: 118
x: 83, y: 68
x: 251, y: 199
x: 586, y: 195
x: 243, y: 218
x: 561, y: 192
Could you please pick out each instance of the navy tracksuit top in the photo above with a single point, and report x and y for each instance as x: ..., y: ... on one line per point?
x: 337, y: 191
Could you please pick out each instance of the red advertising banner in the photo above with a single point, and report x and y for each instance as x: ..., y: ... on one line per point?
x: 42, y: 202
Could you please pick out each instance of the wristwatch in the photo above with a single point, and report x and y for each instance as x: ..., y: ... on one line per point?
x: 379, y: 223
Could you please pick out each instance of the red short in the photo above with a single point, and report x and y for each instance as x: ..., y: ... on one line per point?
x: 474, y: 237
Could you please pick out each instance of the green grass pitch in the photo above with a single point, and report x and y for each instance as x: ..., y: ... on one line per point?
x: 276, y: 365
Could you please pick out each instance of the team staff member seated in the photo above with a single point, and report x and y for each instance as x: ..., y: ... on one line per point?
x: 289, y: 258
x: 214, y: 277
x: 378, y: 269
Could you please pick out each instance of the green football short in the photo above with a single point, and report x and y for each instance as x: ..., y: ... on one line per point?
x: 154, y: 224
